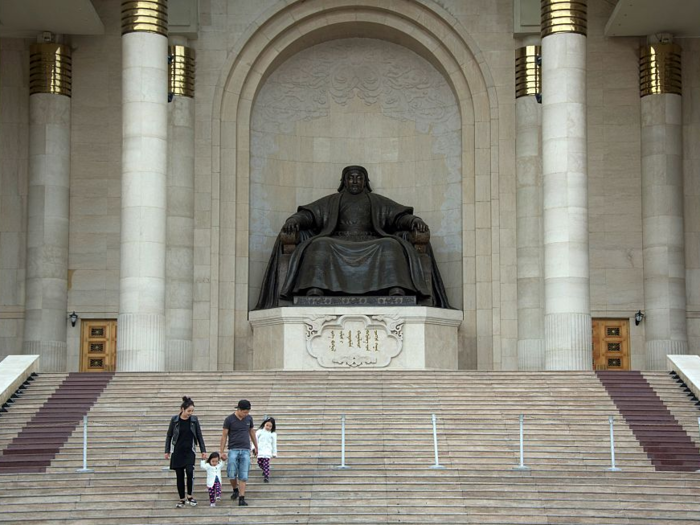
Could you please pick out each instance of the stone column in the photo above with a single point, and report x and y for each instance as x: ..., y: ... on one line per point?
x: 567, y: 319
x: 662, y: 203
x: 528, y: 166
x: 141, y: 323
x: 48, y: 204
x: 179, y: 257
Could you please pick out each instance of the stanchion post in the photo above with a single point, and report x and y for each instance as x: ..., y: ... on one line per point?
x: 85, y: 468
x: 698, y: 430
x: 342, y: 443
x: 435, y: 444
x: 613, y: 468
x: 522, y: 447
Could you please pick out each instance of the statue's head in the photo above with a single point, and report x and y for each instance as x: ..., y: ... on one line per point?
x: 355, y: 180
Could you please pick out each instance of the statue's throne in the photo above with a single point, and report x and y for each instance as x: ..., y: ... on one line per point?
x: 419, y: 240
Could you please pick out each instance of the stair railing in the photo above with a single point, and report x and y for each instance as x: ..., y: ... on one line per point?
x: 85, y: 468
x: 612, y: 468
x: 698, y: 430
x: 342, y: 444
x: 343, y: 464
x: 435, y: 444
x: 522, y: 466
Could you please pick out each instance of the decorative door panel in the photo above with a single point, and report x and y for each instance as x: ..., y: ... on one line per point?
x: 98, y: 351
x: 611, y: 344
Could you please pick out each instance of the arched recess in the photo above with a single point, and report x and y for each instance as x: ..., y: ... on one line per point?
x: 288, y: 28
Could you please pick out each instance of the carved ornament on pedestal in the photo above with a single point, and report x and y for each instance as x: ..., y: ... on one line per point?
x: 354, y: 341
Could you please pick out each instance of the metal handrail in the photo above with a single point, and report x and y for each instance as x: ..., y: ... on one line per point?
x: 85, y: 468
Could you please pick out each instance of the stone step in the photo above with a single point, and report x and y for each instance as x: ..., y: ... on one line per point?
x: 566, y: 429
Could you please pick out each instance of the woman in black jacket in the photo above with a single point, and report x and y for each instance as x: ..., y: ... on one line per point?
x: 183, y: 433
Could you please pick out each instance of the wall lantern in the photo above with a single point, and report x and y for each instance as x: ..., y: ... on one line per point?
x: 74, y: 318
x: 638, y: 318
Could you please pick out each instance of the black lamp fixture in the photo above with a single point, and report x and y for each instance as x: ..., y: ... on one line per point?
x: 74, y: 318
x: 638, y: 318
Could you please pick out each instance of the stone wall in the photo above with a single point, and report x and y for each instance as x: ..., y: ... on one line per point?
x: 95, y: 189
x: 487, y: 264
x: 614, y: 177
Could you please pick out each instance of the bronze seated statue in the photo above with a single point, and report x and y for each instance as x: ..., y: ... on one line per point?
x: 353, y: 243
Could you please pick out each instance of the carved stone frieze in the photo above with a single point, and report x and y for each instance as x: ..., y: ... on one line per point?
x: 405, y: 85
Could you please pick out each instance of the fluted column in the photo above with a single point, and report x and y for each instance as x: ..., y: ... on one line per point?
x: 528, y: 167
x: 141, y: 322
x: 662, y: 203
x: 48, y: 204
x: 566, y: 271
x: 179, y: 258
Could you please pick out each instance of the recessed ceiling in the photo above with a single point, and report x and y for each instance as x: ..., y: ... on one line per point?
x: 28, y: 18
x: 650, y: 17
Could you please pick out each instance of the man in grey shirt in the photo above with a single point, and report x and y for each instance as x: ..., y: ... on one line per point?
x: 239, y: 430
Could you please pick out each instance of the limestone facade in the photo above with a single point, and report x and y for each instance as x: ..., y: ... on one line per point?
x: 252, y: 167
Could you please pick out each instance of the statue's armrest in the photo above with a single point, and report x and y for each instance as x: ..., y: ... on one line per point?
x: 289, y: 241
x: 419, y: 240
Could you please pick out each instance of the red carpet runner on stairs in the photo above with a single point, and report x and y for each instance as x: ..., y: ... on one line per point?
x: 667, y: 445
x: 37, y: 444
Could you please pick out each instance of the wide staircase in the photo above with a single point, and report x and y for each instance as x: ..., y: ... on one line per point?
x: 389, y: 444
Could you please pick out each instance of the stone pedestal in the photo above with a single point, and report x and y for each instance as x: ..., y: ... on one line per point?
x: 341, y: 337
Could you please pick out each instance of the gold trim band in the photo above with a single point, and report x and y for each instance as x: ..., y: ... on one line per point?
x: 528, y: 75
x: 145, y: 16
x: 564, y: 16
x: 660, y: 69
x: 181, y: 65
x: 50, y: 69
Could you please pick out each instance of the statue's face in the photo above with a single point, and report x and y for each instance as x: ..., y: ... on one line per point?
x: 355, y: 182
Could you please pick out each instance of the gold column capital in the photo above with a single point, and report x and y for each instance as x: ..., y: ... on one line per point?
x: 660, y: 69
x: 145, y: 16
x: 528, y: 73
x: 181, y: 69
x: 50, y: 69
x: 564, y: 16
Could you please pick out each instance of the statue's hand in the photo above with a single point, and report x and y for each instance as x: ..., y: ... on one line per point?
x: 291, y: 226
x: 419, y: 226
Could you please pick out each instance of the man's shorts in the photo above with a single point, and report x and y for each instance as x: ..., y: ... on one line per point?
x: 238, y: 464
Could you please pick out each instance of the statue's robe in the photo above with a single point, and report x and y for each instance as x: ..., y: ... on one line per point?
x: 367, y: 259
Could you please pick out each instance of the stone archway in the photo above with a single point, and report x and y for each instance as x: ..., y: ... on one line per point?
x: 287, y: 29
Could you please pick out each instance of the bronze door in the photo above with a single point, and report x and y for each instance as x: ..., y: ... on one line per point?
x: 98, y: 349
x: 611, y: 344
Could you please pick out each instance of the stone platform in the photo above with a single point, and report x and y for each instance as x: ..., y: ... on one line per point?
x: 354, y: 300
x: 353, y: 337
